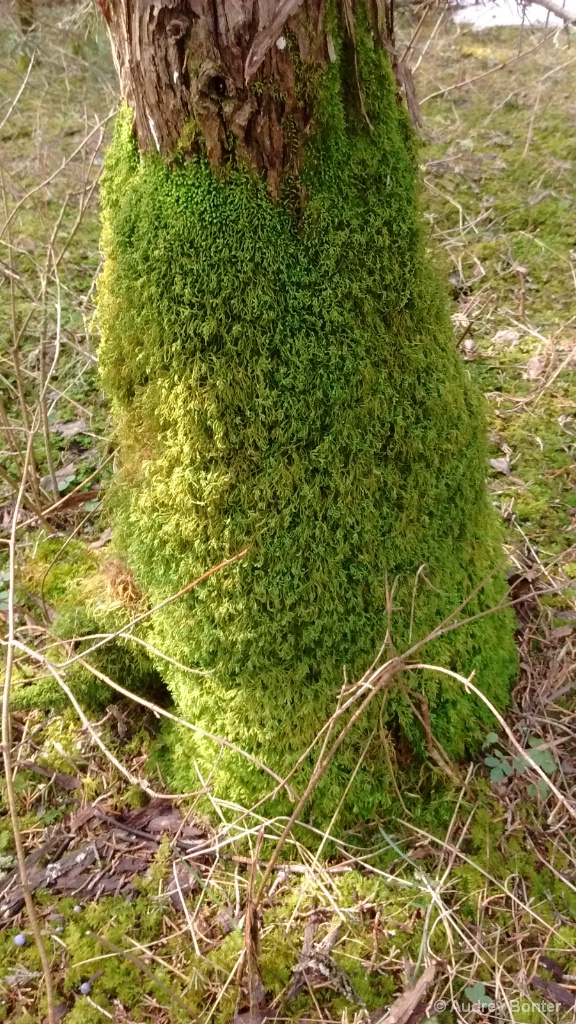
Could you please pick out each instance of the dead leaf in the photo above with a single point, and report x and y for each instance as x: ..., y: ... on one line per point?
x: 60, y: 1012
x: 109, y: 863
x: 71, y: 428
x: 317, y: 968
x: 506, y: 337
x: 501, y: 465
x: 560, y: 632
x: 551, y: 965
x: 180, y: 885
x: 555, y: 993
x: 63, y: 476
x: 61, y: 779
x: 103, y: 539
x: 534, y: 368
x: 223, y: 923
x: 403, y: 1007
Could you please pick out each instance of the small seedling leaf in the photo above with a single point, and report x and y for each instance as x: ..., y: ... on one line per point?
x: 545, y: 760
x: 540, y: 789
x: 477, y: 994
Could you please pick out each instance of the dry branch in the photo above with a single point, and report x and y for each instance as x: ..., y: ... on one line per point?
x: 555, y: 9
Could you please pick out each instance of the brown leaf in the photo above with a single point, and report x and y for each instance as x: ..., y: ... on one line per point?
x: 402, y: 1008
x: 103, y: 539
x: 555, y: 993
x: 506, y: 337
x: 560, y: 632
x: 65, y: 473
x: 535, y: 368
x: 501, y: 465
x: 61, y: 779
x: 60, y: 1012
x: 549, y: 964
x: 317, y: 968
x: 71, y: 428
x: 82, y: 817
x: 180, y: 885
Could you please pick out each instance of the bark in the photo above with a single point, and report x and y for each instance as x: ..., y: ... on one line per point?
x: 226, y: 71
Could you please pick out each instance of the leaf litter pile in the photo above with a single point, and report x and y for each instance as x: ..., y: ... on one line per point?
x: 149, y: 912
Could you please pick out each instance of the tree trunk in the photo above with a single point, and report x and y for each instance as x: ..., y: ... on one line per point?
x: 181, y: 61
x: 284, y: 380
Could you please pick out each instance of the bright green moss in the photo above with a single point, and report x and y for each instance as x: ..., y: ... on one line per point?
x: 88, y: 596
x: 291, y: 386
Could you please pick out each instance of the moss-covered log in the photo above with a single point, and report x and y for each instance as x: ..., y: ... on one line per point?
x: 284, y: 379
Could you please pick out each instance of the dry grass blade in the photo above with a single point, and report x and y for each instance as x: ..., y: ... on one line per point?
x: 14, y: 103
x: 249, y: 969
x: 403, y: 1007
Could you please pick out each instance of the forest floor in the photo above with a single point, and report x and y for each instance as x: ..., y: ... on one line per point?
x: 144, y: 903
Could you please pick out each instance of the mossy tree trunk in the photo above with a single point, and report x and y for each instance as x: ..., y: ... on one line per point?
x: 284, y: 379
x: 180, y: 62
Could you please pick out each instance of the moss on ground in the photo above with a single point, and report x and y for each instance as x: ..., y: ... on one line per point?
x: 499, y: 178
x: 293, y: 388
x: 502, y: 900
x: 85, y: 595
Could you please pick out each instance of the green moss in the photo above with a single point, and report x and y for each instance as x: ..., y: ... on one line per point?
x: 88, y: 596
x: 292, y: 387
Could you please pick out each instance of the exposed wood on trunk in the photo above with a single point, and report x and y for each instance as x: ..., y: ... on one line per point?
x: 223, y: 69
x: 231, y: 74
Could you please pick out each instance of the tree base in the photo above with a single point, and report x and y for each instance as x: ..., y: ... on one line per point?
x: 285, y: 381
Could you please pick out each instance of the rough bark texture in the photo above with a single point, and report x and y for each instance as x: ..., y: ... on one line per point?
x: 225, y: 71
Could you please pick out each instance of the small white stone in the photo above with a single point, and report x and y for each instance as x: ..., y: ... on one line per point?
x: 281, y: 43
x: 176, y: 76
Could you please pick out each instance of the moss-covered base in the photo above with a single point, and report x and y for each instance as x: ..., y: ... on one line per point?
x: 87, y: 596
x: 289, y: 384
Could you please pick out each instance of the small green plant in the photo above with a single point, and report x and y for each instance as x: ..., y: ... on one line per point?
x: 477, y: 994
x: 501, y: 767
